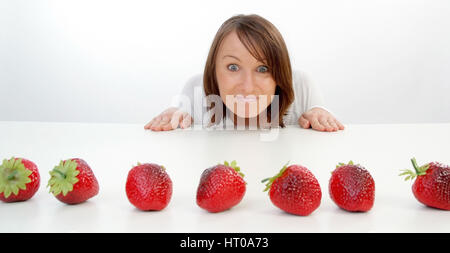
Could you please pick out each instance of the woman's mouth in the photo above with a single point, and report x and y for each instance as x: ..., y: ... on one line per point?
x: 246, y: 99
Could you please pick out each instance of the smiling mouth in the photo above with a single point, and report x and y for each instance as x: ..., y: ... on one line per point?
x: 246, y: 99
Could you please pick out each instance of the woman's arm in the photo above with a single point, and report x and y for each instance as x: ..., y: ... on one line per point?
x: 315, y: 116
x: 179, y: 112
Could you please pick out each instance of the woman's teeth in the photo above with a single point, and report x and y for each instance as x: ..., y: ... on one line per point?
x: 246, y: 99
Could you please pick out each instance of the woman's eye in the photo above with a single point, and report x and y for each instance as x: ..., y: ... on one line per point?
x: 262, y: 69
x: 233, y: 67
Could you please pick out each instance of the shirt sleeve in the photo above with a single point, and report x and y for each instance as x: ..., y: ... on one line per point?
x: 191, y: 98
x: 185, y: 99
x: 308, y: 95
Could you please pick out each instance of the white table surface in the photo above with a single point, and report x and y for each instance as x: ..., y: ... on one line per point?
x: 112, y: 149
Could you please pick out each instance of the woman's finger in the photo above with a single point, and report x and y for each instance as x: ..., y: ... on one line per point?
x: 341, y: 127
x: 159, y: 125
x: 149, y: 124
x: 323, y: 121
x: 156, y: 126
x: 165, y: 119
x: 175, y: 119
x: 333, y: 124
x: 315, y: 124
x: 186, y: 120
x: 303, y: 122
x: 167, y: 127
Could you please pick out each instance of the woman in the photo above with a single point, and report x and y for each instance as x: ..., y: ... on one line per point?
x: 248, y: 70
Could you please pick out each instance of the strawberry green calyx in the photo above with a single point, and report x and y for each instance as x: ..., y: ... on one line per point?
x: 418, y: 171
x: 343, y: 164
x: 13, y: 176
x: 235, y: 167
x: 63, y: 177
x: 350, y: 163
x: 271, y: 179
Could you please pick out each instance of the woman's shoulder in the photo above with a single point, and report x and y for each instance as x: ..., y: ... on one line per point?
x: 301, y: 87
x: 302, y: 84
x: 193, y: 83
x: 299, y: 78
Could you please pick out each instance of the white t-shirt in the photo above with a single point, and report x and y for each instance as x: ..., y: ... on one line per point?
x: 306, y: 97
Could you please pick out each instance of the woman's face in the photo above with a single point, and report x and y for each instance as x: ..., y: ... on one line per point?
x: 245, y: 84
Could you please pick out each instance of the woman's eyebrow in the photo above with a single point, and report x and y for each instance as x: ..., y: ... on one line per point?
x: 232, y: 56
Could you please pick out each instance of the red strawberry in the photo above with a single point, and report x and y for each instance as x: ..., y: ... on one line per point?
x: 352, y: 187
x: 221, y: 187
x: 19, y: 179
x: 73, y: 182
x: 432, y: 184
x: 149, y: 187
x: 295, y: 190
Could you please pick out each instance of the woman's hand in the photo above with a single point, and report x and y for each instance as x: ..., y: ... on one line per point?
x: 321, y: 120
x: 170, y: 119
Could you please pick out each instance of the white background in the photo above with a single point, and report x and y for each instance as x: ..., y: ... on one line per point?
x: 122, y: 61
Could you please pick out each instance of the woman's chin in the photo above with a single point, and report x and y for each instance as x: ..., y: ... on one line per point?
x: 247, y: 114
x: 247, y: 111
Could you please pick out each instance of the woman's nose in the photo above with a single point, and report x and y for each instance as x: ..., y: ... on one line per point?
x: 248, y: 83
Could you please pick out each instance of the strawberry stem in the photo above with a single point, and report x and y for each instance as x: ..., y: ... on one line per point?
x: 271, y: 179
x: 265, y: 180
x: 416, y: 167
x: 13, y: 175
x: 63, y: 177
x: 60, y: 173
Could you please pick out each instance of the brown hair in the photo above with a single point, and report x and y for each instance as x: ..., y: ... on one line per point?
x: 263, y: 40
